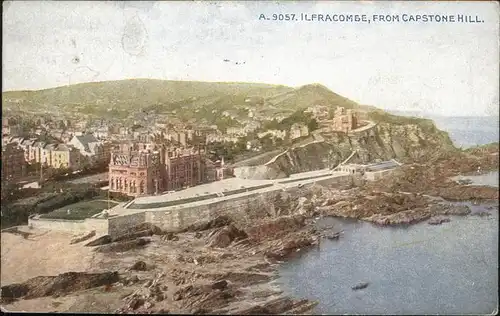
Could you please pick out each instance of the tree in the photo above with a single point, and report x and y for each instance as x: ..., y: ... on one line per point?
x: 267, y: 142
x: 312, y: 125
x: 9, y: 189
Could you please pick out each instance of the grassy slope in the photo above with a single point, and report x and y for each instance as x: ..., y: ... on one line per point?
x: 189, y: 99
x: 163, y: 95
x: 79, y: 210
x: 128, y: 95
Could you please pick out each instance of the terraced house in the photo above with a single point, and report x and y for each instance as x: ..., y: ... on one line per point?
x: 32, y: 147
x: 62, y: 156
x: 53, y: 155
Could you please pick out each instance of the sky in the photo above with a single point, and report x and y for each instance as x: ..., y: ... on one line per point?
x: 447, y: 69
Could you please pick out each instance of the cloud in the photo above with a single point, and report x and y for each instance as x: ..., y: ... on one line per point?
x: 388, y: 65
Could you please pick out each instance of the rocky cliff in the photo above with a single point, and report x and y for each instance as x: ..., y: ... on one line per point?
x: 404, y: 139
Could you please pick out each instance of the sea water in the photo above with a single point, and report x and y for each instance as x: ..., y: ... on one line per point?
x: 422, y: 269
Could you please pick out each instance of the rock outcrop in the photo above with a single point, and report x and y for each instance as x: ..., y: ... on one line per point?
x: 83, y: 238
x: 58, y: 285
x: 393, y: 137
x: 121, y: 246
x: 438, y: 220
x: 223, y: 237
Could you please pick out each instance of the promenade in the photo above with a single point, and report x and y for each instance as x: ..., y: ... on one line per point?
x: 223, y: 190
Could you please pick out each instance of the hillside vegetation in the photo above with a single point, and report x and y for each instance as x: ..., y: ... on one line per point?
x: 224, y: 104
x: 135, y: 94
x: 186, y: 99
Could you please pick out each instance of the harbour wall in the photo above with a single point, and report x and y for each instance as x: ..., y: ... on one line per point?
x: 238, y: 207
x: 87, y: 225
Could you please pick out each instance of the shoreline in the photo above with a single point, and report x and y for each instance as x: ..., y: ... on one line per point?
x: 256, y: 265
x: 223, y: 266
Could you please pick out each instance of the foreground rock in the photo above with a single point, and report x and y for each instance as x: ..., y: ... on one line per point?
x: 400, y: 218
x: 16, y: 231
x: 141, y: 300
x: 481, y: 214
x: 225, y: 236
x: 57, y: 285
x: 124, y: 245
x: 279, y: 306
x: 433, y: 177
x: 139, y: 266
x: 217, y: 222
x: 133, y: 235
x: 284, y: 248
x: 103, y: 240
x: 438, y: 220
x: 276, y: 228
x: 83, y: 238
x: 450, y: 209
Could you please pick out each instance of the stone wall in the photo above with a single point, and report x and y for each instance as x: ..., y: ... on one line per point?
x: 375, y: 175
x: 87, y: 225
x: 236, y: 208
x: 241, y: 209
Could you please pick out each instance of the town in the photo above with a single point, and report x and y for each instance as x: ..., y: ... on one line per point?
x: 159, y: 157
x: 146, y: 157
x: 237, y: 158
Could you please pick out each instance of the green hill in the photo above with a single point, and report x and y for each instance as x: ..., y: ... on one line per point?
x: 308, y: 95
x: 188, y: 100
x: 162, y: 96
x: 130, y: 95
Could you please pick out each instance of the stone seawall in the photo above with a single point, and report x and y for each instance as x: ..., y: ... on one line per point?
x: 239, y: 208
x: 87, y: 225
x: 236, y: 208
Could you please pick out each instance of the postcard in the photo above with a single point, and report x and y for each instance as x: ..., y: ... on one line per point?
x: 250, y: 157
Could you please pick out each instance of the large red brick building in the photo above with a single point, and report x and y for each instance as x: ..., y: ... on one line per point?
x: 135, y: 172
x: 138, y: 169
x: 184, y: 168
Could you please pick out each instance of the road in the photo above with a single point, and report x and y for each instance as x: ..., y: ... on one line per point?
x: 90, y: 179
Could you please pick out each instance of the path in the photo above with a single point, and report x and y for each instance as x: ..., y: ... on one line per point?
x: 345, y: 161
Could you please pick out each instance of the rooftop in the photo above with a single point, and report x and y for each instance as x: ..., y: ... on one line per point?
x: 86, y: 140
